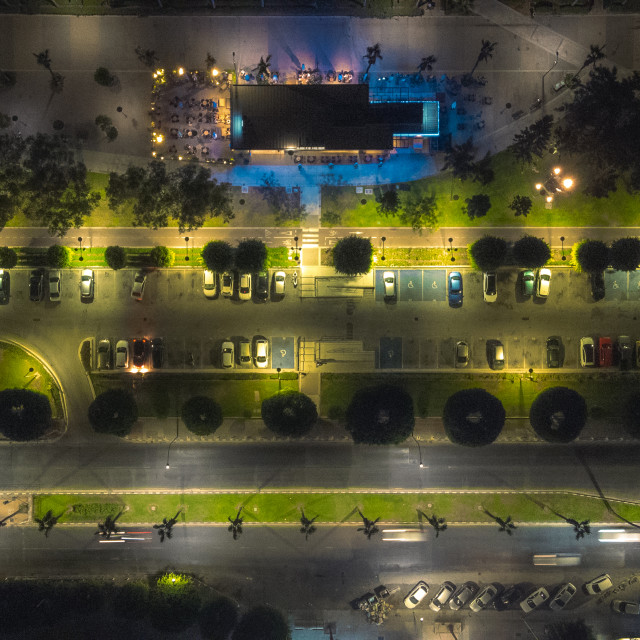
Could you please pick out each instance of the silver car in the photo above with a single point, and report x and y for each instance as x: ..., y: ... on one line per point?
x: 279, y: 281
x: 462, y: 353
x: 54, y: 286
x: 484, y: 599
x: 534, y: 600
x: 261, y: 353
x: 209, y: 284
x: 137, y: 291
x: 227, y: 355
x: 389, y: 278
x: 443, y: 596
x: 122, y: 354
x: 561, y: 599
x: 227, y: 284
x: 463, y: 595
x: 86, y: 284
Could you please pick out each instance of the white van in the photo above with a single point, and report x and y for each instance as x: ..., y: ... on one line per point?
x: 557, y: 560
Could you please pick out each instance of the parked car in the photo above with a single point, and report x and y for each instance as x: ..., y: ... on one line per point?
x: 490, y: 286
x: 86, y: 284
x: 495, y: 354
x: 54, y: 286
x: 587, y: 352
x: 261, y: 353
x: 625, y: 352
x: 455, y: 289
x: 462, y: 354
x: 35, y: 286
x: 416, y: 595
x: 122, y: 354
x: 622, y: 606
x: 227, y: 355
x: 544, y: 283
x: 139, y: 281
x: 484, y: 599
x: 244, y: 349
x: 638, y: 354
x: 562, y: 598
x: 262, y: 286
x: 209, y: 284
x: 244, y: 290
x: 528, y: 282
x: 389, y: 279
x: 463, y: 595
x: 443, y: 596
x: 605, y: 352
x: 554, y: 352
x: 157, y: 353
x: 139, y: 355
x: 104, y: 354
x: 4, y: 285
x: 279, y: 282
x: 534, y: 600
x: 507, y: 598
x: 597, y: 285
x: 227, y: 284
x: 598, y: 585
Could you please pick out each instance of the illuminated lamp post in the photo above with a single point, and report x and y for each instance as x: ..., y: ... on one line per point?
x: 383, y: 241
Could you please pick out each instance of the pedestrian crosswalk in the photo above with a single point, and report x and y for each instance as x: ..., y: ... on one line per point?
x: 310, y: 238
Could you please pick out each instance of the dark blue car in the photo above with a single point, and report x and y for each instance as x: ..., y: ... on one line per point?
x: 455, y: 289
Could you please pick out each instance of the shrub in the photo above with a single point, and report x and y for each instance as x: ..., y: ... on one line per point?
x: 262, y: 623
x: 8, y: 258
x: 251, y: 255
x: 96, y: 510
x: 201, y: 415
x: 115, y: 256
x: 24, y: 414
x: 558, y: 414
x: 289, y: 414
x: 217, y: 255
x: 473, y: 417
x: 218, y: 618
x: 58, y: 256
x: 531, y: 252
x: 353, y: 255
x: 104, y: 77
x: 162, y: 256
x: 591, y: 256
x: 488, y: 253
x: 174, y: 603
x: 115, y: 412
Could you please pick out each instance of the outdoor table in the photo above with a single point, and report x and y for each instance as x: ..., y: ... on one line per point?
x: 311, y: 159
x: 175, y: 117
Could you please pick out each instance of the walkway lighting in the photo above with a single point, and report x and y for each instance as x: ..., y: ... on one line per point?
x: 180, y: 71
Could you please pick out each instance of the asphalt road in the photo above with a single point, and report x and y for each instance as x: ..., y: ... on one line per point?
x: 318, y: 578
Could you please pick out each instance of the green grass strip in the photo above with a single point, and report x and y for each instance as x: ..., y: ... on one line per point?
x: 332, y: 507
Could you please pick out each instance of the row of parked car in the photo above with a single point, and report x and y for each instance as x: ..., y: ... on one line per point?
x: 137, y: 356
x: 494, y: 596
x: 249, y: 285
x: 496, y: 355
x: 603, y: 353
x: 53, y: 279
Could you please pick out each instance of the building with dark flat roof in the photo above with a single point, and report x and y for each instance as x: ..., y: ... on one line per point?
x: 323, y: 116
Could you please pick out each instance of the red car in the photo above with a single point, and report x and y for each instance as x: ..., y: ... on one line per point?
x: 605, y: 352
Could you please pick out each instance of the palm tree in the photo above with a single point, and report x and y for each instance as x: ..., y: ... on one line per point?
x: 308, y: 528
x: 236, y: 524
x: 426, y: 64
x: 486, y: 52
x: 505, y: 525
x: 595, y: 53
x: 439, y: 524
x: 369, y: 529
x: 165, y: 530
x: 262, y: 70
x: 107, y: 527
x: 47, y: 522
x: 580, y: 528
x: 372, y: 56
x: 43, y: 59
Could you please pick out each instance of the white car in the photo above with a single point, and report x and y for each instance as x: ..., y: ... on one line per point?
x: 122, y: 354
x: 389, y: 278
x: 544, y: 282
x: 490, y: 286
x: 86, y: 284
x: 54, y: 286
x: 622, y: 606
x: 227, y: 355
x: 587, y: 352
x: 534, y: 600
x: 443, y: 596
x: 416, y: 595
x: 261, y: 353
x: 209, y: 284
x: 279, y: 281
x: 561, y: 599
x: 137, y: 291
x: 598, y: 585
x: 227, y: 284
x: 244, y: 290
x: 484, y: 599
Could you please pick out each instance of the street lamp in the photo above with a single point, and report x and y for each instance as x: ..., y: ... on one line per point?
x: 168, y: 466
x: 186, y: 239
x: 419, y: 451
x: 451, y: 249
x: 555, y: 62
x: 279, y: 383
x: 383, y: 241
x: 562, y: 241
x: 81, y: 258
x: 297, y: 257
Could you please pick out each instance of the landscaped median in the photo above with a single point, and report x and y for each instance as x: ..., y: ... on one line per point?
x: 337, y: 507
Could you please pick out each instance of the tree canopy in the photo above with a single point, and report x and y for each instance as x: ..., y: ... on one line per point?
x: 521, y: 205
x: 353, y: 255
x: 262, y: 623
x: 381, y: 414
x: 531, y: 252
x: 488, y: 253
x: 592, y: 256
x: 162, y: 256
x: 558, y: 414
x: 625, y: 254
x: 473, y: 417
x: 285, y: 207
x: 251, y: 255
x: 533, y: 140
x: 24, y: 414
x: 388, y: 202
x: 114, y: 411
x: 104, y: 77
x: 8, y: 258
x: 115, y: 256
x: 569, y: 630
x: 59, y: 256
x: 289, y: 413
x: 420, y: 211
x: 202, y: 415
x: 217, y: 618
x: 460, y: 159
x: 477, y: 206
x: 187, y: 195
x: 218, y: 255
